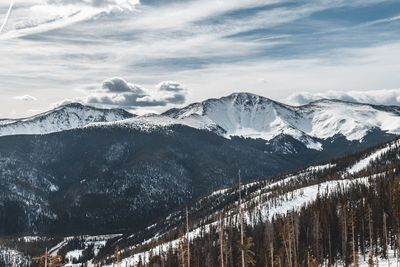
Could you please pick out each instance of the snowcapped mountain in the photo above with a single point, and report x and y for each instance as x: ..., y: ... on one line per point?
x: 249, y: 115
x: 65, y: 117
x: 115, y: 166
x: 239, y: 114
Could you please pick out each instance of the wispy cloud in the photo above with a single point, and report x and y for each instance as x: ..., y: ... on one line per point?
x: 57, y: 48
x: 7, y: 16
x: 25, y: 98
x: 32, y: 17
x: 379, y: 97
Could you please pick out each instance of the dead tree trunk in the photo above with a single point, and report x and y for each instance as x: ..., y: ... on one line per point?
x: 221, y: 239
x: 385, y: 237
x: 187, y: 237
x: 241, y: 221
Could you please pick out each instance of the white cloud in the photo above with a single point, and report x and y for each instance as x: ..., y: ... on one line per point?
x: 96, y: 3
x: 379, y: 97
x: 189, y: 41
x: 118, y: 92
x: 36, y: 16
x: 25, y: 98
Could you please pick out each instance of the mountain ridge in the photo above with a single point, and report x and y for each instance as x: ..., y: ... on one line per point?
x: 65, y: 117
x: 239, y: 114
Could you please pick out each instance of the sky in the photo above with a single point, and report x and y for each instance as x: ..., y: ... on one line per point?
x: 151, y: 55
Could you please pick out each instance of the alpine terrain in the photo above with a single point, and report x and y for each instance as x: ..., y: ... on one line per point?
x: 343, y: 212
x: 78, y: 169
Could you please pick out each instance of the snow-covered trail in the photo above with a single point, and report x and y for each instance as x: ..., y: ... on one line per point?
x: 362, y: 164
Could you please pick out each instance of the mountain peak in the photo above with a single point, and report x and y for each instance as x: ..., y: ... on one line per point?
x: 244, y: 98
x: 245, y: 95
x: 250, y: 115
x: 73, y: 105
x: 65, y: 117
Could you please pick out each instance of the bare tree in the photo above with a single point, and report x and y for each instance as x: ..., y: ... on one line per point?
x: 371, y: 250
x: 241, y: 221
x: 385, y: 237
x: 187, y: 237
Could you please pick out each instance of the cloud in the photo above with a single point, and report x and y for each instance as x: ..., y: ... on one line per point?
x: 118, y: 85
x: 378, y: 97
x: 25, y: 98
x: 170, y: 86
x: 213, y: 47
x: 35, y: 17
x: 95, y: 3
x: 118, y: 92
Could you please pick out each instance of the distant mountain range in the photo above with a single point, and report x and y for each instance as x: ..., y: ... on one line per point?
x: 82, y: 169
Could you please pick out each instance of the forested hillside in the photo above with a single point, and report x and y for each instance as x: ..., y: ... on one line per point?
x: 340, y: 213
x: 344, y: 213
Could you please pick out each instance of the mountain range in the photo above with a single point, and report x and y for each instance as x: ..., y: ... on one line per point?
x: 80, y: 169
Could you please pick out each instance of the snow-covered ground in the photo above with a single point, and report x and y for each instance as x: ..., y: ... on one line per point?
x: 12, y: 257
x: 364, y: 163
x: 293, y: 200
x: 73, y: 255
x: 318, y: 168
x: 393, y: 260
x: 98, y: 241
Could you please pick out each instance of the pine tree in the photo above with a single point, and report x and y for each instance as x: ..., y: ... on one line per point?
x: 396, y: 212
x: 269, y: 241
x: 353, y: 242
x: 116, y: 254
x: 371, y: 249
x: 247, y: 251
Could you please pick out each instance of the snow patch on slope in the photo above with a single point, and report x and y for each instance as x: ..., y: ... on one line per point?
x: 326, y: 118
x: 66, y: 117
x: 293, y: 200
x: 362, y: 164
